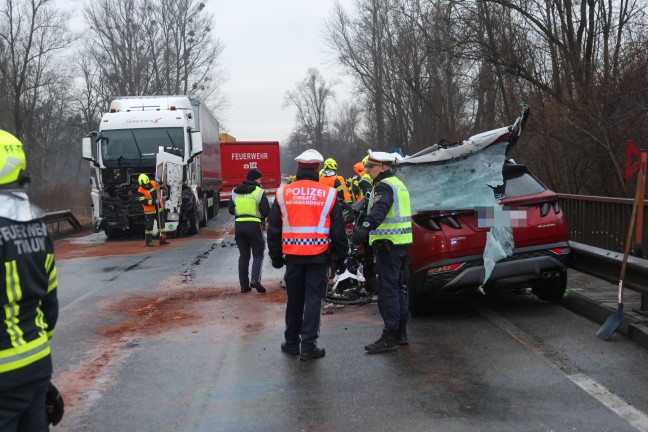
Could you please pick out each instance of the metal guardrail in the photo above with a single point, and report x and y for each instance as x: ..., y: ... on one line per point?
x: 62, y: 216
x: 606, y: 265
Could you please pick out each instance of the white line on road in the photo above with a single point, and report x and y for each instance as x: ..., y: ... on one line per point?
x: 624, y: 410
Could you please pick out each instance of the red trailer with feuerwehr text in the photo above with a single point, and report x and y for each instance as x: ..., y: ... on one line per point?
x: 238, y: 157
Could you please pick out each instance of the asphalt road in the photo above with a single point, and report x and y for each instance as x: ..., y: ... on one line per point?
x: 160, y: 339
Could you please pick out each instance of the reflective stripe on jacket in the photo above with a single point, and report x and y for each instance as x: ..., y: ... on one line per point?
x: 306, y: 217
x: 397, y: 226
x: 27, y: 294
x: 146, y: 197
x: 246, y: 206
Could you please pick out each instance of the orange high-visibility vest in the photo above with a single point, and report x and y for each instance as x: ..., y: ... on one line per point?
x: 147, y: 198
x: 330, y: 181
x: 306, y: 217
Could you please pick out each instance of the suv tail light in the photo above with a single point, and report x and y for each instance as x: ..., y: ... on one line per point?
x: 560, y: 251
x: 544, y: 209
x: 556, y: 207
x: 444, y: 269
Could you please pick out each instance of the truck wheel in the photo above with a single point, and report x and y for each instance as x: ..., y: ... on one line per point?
x: 114, y: 234
x: 211, y: 211
x: 203, y: 215
x: 553, y: 289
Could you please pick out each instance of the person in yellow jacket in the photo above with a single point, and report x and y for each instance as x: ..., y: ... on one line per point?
x: 28, y: 295
x: 153, y: 206
x: 250, y: 206
x: 388, y: 226
x: 329, y: 177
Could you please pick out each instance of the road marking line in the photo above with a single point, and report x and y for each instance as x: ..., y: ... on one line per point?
x: 636, y: 418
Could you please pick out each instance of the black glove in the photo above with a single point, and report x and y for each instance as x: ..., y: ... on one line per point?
x: 54, y: 405
x: 361, y: 234
x: 278, y: 262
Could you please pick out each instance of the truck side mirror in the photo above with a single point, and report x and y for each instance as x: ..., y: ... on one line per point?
x: 86, y: 146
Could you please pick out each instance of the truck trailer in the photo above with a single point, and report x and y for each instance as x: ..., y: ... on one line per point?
x: 238, y: 157
x: 173, y: 138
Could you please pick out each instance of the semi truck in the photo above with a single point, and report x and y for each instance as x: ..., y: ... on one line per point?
x: 172, y: 138
x: 238, y: 157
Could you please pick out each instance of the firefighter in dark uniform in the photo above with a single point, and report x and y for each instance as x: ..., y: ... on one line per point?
x: 153, y: 206
x: 389, y: 229
x: 304, y: 221
x: 28, y: 298
x: 250, y: 206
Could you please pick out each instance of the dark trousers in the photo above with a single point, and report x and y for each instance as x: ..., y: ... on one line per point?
x: 392, y: 297
x: 22, y: 409
x: 149, y: 221
x: 306, y: 287
x: 248, y: 236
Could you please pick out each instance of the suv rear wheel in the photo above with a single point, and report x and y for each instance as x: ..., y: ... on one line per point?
x: 415, y: 301
x: 551, y: 290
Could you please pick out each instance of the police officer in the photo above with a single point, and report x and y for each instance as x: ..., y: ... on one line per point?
x: 304, y: 219
x: 250, y: 206
x: 389, y: 228
x: 153, y: 206
x: 28, y: 298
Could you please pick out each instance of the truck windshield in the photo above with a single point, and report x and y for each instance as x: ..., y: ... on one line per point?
x: 139, y: 144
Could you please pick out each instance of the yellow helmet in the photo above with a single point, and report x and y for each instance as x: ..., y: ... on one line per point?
x: 12, y: 158
x: 143, y: 179
x: 330, y: 164
x: 365, y: 159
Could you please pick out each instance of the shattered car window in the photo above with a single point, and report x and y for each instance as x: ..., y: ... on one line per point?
x: 458, y: 184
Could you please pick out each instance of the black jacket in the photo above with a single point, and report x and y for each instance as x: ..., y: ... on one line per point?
x: 26, y: 267
x: 339, y: 243
x: 245, y: 188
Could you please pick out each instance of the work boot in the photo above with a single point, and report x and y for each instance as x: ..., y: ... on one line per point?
x: 312, y: 355
x: 257, y: 286
x: 386, y: 343
x: 288, y: 349
x: 401, y: 333
x: 149, y: 240
x: 163, y: 240
x: 246, y: 289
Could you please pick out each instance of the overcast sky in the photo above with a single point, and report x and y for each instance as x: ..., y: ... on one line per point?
x: 268, y: 47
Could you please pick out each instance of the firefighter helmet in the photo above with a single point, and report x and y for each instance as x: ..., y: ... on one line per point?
x: 143, y: 179
x: 330, y: 164
x: 365, y: 159
x: 12, y: 158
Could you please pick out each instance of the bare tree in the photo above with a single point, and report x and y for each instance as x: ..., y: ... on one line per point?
x: 32, y: 33
x: 146, y: 47
x: 311, y: 98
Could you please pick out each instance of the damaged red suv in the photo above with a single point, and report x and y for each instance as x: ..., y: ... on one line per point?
x: 447, y: 257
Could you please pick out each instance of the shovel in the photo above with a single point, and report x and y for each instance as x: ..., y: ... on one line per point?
x: 613, y: 321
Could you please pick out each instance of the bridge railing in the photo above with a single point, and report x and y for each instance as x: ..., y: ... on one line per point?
x: 598, y: 228
x: 601, y: 221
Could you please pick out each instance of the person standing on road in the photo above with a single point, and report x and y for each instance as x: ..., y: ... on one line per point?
x: 304, y: 219
x: 28, y: 297
x: 250, y: 206
x: 388, y: 226
x: 153, y: 207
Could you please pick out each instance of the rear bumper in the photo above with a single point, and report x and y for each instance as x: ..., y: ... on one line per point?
x: 525, y: 267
